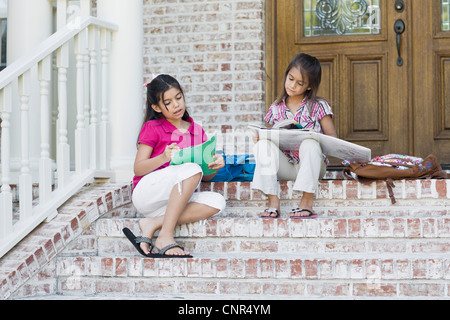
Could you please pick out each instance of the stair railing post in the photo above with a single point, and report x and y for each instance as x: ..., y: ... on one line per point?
x: 105, y: 140
x: 25, y: 181
x: 5, y: 195
x: 80, y: 132
x: 94, y: 88
x: 63, y: 153
x: 45, y: 165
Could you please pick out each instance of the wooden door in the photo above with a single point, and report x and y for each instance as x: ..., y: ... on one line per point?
x: 380, y: 103
x: 431, y: 86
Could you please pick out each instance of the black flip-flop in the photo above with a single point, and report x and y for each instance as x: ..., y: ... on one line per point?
x: 273, y: 214
x: 136, y: 241
x: 311, y: 215
x: 154, y: 252
x: 162, y: 253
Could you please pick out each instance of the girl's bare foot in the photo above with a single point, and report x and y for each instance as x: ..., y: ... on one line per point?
x: 148, y: 228
x: 306, y: 206
x: 164, y: 241
x: 274, y: 203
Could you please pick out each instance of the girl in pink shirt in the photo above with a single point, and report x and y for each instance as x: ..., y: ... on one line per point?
x: 166, y: 194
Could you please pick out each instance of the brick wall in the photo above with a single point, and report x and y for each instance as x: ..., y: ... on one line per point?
x: 216, y: 50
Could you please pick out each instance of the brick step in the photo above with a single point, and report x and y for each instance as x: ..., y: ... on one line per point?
x: 357, y: 249
x: 287, y: 236
x: 355, y: 227
x: 253, y: 278
x: 339, y: 190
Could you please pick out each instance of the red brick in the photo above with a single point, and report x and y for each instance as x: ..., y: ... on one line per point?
x: 283, y: 289
x: 251, y: 268
x: 374, y: 289
x: 107, y: 265
x: 403, y: 269
x: 426, y: 189
x: 281, y: 268
x: 237, y: 268
x: 326, y: 269
x: 354, y: 227
x: 296, y: 269
x: 245, y: 192
x: 419, y: 268
x: 198, y: 286
x: 429, y: 229
x: 444, y: 227
x: 328, y: 289
x: 311, y: 271
x: 441, y: 188
x: 222, y: 268
x: 340, y: 227
x: 387, y: 269
x: 421, y: 289
x: 351, y: 190
x: 239, y: 287
x: 413, y: 228
x: 266, y: 266
x: 232, y: 191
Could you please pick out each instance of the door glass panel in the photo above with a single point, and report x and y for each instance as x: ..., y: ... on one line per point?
x: 445, y: 15
x: 341, y: 17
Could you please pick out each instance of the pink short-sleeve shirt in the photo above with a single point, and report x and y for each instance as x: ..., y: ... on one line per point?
x: 160, y: 133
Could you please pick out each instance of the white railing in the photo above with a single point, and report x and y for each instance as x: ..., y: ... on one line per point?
x: 58, y: 179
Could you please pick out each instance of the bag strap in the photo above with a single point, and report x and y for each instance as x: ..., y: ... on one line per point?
x: 390, y: 184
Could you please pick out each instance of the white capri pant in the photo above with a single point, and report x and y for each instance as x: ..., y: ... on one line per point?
x: 272, y: 165
x: 151, y: 195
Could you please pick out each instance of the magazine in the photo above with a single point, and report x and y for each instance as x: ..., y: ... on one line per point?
x: 288, y: 139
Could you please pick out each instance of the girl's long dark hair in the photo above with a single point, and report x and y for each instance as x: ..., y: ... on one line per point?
x: 155, y: 94
x: 310, y: 67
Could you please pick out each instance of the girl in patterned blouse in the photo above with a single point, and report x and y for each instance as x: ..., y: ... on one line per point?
x: 298, y: 101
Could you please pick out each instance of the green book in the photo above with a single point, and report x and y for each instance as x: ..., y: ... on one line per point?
x: 201, y: 154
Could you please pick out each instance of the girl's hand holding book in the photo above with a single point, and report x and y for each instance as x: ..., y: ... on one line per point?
x: 218, y: 163
x: 170, y: 149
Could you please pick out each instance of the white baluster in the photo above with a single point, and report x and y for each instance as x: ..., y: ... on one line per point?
x: 25, y: 182
x: 80, y: 132
x: 63, y: 154
x: 104, y: 125
x: 87, y: 86
x: 45, y: 165
x: 93, y: 130
x: 6, y: 222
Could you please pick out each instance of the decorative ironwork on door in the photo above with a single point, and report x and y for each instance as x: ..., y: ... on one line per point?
x: 341, y: 17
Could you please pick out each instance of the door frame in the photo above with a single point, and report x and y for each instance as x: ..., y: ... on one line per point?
x: 271, y: 52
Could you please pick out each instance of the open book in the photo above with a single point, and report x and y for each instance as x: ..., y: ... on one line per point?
x: 201, y: 154
x: 290, y: 140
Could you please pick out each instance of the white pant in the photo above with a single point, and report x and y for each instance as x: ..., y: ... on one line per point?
x: 151, y: 195
x: 272, y: 166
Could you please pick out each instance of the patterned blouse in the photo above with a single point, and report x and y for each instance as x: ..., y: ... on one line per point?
x: 279, y: 112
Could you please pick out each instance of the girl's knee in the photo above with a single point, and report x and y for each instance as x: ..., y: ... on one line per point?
x: 310, y: 145
x: 214, y: 200
x: 220, y: 202
x: 195, y: 170
x: 264, y: 144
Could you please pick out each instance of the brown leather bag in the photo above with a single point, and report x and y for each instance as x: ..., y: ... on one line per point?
x: 429, y: 168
